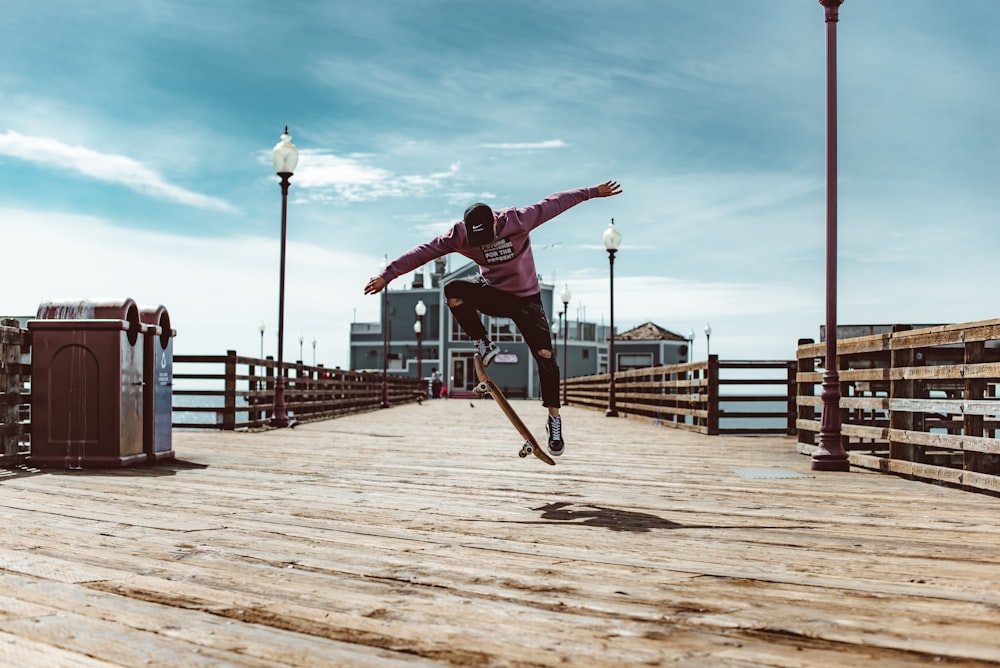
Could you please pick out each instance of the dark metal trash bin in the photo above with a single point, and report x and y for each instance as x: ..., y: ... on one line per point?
x: 86, y: 384
x: 158, y: 375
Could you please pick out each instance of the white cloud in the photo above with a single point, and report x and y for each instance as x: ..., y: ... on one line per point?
x: 354, y: 179
x: 217, y: 290
x: 528, y: 146
x: 104, y: 167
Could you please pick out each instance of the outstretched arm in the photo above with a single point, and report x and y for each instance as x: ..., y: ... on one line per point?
x: 608, y: 189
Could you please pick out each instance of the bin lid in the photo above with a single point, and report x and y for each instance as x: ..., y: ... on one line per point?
x: 158, y: 319
x: 123, y: 308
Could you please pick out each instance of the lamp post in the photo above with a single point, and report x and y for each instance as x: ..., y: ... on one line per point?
x: 261, y: 329
x: 385, y: 337
x: 301, y: 341
x: 830, y: 454
x: 708, y: 339
x: 421, y: 310
x: 565, y: 296
x: 690, y: 345
x: 285, y: 157
x: 314, y: 351
x: 612, y: 240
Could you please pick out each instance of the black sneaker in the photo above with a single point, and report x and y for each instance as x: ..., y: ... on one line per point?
x: 554, y: 427
x: 487, y: 350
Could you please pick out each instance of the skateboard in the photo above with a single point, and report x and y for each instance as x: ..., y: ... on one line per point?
x: 487, y: 386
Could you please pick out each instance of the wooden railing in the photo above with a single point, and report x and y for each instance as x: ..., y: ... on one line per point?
x: 689, y: 396
x: 921, y: 403
x: 235, y: 392
x: 15, y: 372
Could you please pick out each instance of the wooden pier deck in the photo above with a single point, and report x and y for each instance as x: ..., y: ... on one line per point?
x: 415, y: 536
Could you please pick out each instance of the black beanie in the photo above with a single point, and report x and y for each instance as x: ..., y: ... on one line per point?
x: 479, y: 224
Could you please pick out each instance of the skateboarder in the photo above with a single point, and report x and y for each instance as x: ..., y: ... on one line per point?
x: 499, y: 242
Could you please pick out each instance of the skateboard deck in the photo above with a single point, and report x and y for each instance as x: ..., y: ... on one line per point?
x: 487, y: 386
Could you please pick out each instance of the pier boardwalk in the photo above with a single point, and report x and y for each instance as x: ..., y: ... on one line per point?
x: 416, y: 536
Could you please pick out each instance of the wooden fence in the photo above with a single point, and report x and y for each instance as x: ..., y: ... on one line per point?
x: 921, y: 403
x: 234, y: 392
x: 15, y: 373
x: 758, y: 399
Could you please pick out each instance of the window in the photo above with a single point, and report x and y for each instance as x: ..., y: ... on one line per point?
x: 634, y: 361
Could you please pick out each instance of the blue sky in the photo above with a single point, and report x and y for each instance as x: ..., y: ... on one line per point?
x: 135, y: 141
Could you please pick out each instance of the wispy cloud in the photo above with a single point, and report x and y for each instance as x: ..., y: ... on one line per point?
x: 104, y: 167
x: 353, y: 178
x: 528, y: 146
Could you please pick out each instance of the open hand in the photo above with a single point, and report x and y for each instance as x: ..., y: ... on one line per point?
x: 609, y: 188
x: 375, y: 285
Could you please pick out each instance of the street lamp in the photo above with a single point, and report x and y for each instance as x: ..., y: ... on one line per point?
x: 301, y: 341
x: 612, y: 240
x: 385, y: 337
x: 708, y: 339
x: 314, y: 351
x: 285, y: 157
x: 565, y: 296
x: 262, y: 328
x: 830, y: 454
x: 690, y: 338
x: 421, y: 310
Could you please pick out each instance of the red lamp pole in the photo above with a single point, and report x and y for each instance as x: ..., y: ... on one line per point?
x: 830, y: 455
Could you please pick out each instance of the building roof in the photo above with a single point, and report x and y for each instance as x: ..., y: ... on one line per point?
x: 649, y: 332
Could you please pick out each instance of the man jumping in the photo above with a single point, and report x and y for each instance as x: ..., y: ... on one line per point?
x: 507, y: 287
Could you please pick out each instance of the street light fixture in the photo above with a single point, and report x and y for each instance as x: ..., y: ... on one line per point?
x: 690, y: 338
x: 612, y: 240
x: 314, y: 351
x: 301, y: 341
x: 261, y: 329
x: 285, y: 157
x: 830, y: 454
x: 385, y: 337
x: 565, y: 296
x: 421, y: 310
x: 708, y: 339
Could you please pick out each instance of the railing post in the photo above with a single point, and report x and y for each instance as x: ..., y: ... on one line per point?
x: 713, y: 395
x: 806, y: 389
x: 900, y: 388
x: 229, y: 400
x: 791, y: 392
x: 269, y: 375
x: 254, y: 414
x: 975, y: 389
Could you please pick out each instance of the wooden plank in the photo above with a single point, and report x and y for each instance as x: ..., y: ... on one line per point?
x: 983, y: 407
x: 416, y: 535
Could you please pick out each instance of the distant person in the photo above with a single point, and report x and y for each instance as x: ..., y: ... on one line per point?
x: 507, y: 287
x: 435, y: 383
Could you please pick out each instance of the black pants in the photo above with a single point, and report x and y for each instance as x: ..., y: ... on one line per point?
x: 526, y: 312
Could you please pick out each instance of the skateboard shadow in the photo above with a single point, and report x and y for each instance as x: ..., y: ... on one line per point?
x: 606, y: 518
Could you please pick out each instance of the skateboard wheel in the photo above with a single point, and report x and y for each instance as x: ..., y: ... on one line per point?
x: 481, y: 388
x: 526, y: 449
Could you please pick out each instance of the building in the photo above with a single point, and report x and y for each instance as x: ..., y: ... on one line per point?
x: 581, y: 348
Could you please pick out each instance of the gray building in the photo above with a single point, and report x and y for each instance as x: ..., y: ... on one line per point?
x: 445, y: 347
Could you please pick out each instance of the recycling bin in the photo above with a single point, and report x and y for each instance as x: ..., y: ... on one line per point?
x: 86, y: 384
x: 158, y: 382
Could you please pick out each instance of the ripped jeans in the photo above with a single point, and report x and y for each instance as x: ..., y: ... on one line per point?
x: 528, y: 315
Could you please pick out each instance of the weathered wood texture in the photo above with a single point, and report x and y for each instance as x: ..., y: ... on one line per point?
x: 920, y: 403
x: 688, y: 396
x: 414, y: 535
